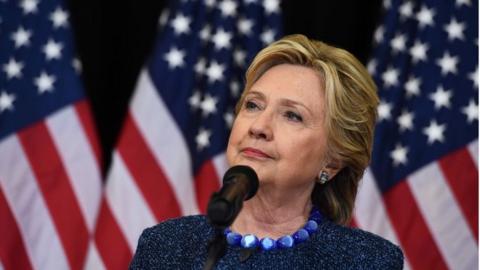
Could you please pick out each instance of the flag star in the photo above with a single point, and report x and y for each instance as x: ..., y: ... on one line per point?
x: 194, y: 100
x: 245, y: 26
x: 405, y: 121
x: 419, y: 51
x: 181, y: 24
x: 228, y: 8
x: 29, y: 6
x: 13, y: 69
x: 271, y: 6
x: 471, y: 111
x: 6, y: 101
x: 268, y: 36
x: 372, y: 66
x: 234, y: 88
x: 215, y: 72
x: 205, y: 33
x: 21, y: 37
x: 44, y: 82
x: 239, y: 57
x: 210, y: 3
x: 398, y: 43
x: 455, y: 30
x: 228, y: 117
x: 53, y: 50
x: 434, y: 132
x: 390, y: 77
x: 77, y: 65
x: 441, y: 98
x: 59, y: 18
x: 221, y: 39
x: 379, y: 33
x: 412, y: 86
x: 208, y: 105
x: 200, y: 66
x: 448, y: 63
x: 203, y: 138
x: 459, y: 3
x: 406, y: 10
x: 384, y: 111
x: 399, y: 155
x: 175, y: 58
x: 425, y: 16
x: 387, y: 4
x: 474, y: 77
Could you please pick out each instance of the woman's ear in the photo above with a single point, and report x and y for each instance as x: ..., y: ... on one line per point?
x: 333, y: 167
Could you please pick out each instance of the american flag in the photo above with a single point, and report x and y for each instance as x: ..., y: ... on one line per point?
x: 50, y: 182
x: 421, y: 190
x: 170, y: 155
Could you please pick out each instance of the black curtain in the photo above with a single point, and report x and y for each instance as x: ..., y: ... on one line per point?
x: 114, y: 38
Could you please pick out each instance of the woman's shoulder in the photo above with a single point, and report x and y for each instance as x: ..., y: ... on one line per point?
x: 363, y: 247
x: 178, y: 226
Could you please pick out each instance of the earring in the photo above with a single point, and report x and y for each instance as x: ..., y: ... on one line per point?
x: 323, y: 177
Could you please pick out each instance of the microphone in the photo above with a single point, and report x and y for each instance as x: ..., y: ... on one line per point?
x: 239, y: 183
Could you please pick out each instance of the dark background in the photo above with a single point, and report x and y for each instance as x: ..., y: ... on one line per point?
x: 114, y: 38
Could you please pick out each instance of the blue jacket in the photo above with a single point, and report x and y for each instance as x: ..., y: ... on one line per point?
x: 182, y: 244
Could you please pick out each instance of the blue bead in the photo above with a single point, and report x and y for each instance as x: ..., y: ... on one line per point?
x: 300, y: 236
x: 227, y: 231
x: 311, y: 226
x: 234, y: 238
x: 249, y: 241
x: 268, y: 244
x: 285, y: 241
x: 316, y: 215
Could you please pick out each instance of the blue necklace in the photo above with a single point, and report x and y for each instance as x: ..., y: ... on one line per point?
x: 250, y: 241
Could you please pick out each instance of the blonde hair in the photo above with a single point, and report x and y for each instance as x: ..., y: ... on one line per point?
x: 350, y: 113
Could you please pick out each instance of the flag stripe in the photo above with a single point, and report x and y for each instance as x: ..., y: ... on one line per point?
x: 206, y: 182
x: 147, y: 174
x: 444, y: 218
x: 79, y: 161
x: 13, y: 254
x: 57, y: 191
x: 110, y: 241
x: 473, y: 149
x: 93, y: 260
x: 462, y: 177
x: 126, y: 201
x: 88, y: 125
x: 165, y: 141
x: 23, y: 195
x: 414, y: 235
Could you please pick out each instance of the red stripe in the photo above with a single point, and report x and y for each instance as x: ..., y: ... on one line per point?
x: 85, y: 116
x: 12, y: 250
x: 57, y: 192
x: 412, y: 231
x: 462, y: 176
x: 110, y: 241
x: 206, y: 182
x: 147, y: 172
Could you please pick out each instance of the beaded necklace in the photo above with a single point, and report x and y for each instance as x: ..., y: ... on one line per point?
x: 250, y: 241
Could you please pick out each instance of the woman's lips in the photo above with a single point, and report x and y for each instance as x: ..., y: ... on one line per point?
x: 253, y: 152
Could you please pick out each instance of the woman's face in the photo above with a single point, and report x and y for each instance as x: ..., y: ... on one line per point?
x: 279, y: 130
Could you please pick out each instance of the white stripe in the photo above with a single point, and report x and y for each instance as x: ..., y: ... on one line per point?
x: 79, y: 161
x: 128, y: 206
x: 25, y: 200
x: 473, y: 149
x: 1, y: 265
x: 221, y: 166
x: 165, y: 141
x: 444, y: 218
x: 93, y: 261
x: 370, y: 213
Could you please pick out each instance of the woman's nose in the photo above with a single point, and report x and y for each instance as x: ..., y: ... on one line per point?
x: 261, y: 127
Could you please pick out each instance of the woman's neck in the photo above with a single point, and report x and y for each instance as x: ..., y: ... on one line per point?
x: 273, y: 215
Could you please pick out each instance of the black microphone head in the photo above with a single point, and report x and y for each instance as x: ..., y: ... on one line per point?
x: 248, y: 173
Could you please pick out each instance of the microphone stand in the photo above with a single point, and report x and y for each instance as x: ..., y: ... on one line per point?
x: 216, y: 249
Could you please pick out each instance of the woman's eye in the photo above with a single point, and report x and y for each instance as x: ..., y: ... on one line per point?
x: 293, y: 116
x: 250, y: 105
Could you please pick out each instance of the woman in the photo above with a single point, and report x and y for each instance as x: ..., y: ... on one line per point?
x: 305, y: 124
